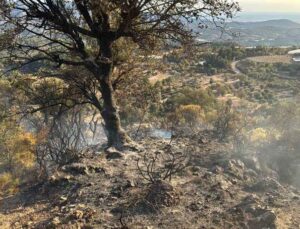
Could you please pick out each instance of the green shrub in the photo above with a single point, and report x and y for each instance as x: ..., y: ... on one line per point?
x: 17, y: 155
x: 8, y: 184
x: 189, y: 114
x: 189, y: 96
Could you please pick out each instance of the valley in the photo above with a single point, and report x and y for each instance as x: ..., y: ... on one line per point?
x: 272, y: 33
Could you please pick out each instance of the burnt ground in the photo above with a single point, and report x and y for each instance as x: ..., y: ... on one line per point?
x: 106, y: 190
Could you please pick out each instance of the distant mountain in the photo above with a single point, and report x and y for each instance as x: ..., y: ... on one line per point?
x: 265, y: 16
x: 281, y: 32
x: 278, y: 23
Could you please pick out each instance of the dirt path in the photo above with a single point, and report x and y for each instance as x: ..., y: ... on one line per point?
x: 234, y: 67
x: 262, y: 59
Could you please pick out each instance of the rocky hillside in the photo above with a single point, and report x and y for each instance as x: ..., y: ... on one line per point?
x: 212, y: 188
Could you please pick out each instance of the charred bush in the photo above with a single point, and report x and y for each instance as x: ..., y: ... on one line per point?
x: 162, y: 165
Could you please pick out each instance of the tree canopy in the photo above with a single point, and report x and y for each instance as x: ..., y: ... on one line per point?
x: 72, y: 32
x: 81, y: 34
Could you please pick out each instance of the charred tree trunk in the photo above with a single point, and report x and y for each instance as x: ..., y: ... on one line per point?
x: 116, y: 136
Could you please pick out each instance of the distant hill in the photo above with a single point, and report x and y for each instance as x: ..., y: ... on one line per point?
x: 280, y: 23
x: 282, y: 32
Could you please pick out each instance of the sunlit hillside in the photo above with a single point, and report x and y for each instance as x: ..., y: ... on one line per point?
x: 148, y: 114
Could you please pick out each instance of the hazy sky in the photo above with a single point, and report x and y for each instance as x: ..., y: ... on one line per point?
x: 270, y: 5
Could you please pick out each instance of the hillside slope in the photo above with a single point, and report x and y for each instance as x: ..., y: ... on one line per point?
x: 106, y: 190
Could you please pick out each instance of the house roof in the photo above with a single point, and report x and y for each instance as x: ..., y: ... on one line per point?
x: 293, y: 52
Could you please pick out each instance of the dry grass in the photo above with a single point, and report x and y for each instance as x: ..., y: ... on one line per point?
x: 272, y: 59
x: 158, y: 77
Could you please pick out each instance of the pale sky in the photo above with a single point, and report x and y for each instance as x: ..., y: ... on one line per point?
x: 270, y: 5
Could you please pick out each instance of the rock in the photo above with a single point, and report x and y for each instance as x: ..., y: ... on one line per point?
x: 55, y: 221
x: 81, y: 168
x: 111, y: 150
x: 63, y: 200
x: 203, y: 140
x: 130, y: 184
x: 216, y: 182
x: 251, y: 173
x: 266, y: 185
x: 234, y: 164
x: 55, y: 180
x: 89, y: 213
x: 15, y: 225
x: 118, y: 190
x: 254, y: 214
x: 224, y: 185
x: 196, y: 169
x: 250, y: 199
x: 29, y: 224
x: 77, y: 214
x: 235, y: 168
x: 266, y: 220
x: 217, y: 169
x: 80, y: 211
x: 207, y: 175
x: 112, y: 154
x: 252, y: 162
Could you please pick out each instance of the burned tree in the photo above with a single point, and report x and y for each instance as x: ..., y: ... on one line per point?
x: 81, y: 34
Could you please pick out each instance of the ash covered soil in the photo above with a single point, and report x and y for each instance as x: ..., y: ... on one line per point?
x: 105, y: 189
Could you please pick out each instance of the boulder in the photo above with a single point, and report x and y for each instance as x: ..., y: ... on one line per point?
x: 233, y: 167
x: 265, y: 220
x: 266, y: 185
x: 254, y: 214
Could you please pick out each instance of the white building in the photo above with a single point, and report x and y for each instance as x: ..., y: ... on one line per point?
x: 295, y: 55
